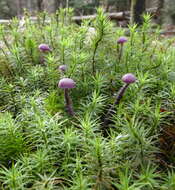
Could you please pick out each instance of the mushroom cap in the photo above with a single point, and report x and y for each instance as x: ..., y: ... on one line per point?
x: 66, y: 83
x: 62, y: 68
x: 44, y: 48
x: 122, y: 40
x: 128, y: 78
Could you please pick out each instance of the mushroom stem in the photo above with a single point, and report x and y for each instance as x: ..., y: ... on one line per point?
x: 120, y: 53
x: 120, y: 94
x: 69, y: 107
x: 117, y: 101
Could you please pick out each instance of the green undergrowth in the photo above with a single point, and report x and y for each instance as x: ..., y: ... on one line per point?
x: 43, y: 148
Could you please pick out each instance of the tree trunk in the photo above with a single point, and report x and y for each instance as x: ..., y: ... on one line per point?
x: 159, y: 12
x: 169, y: 12
x: 29, y: 5
x: 137, y: 9
x: 97, y: 3
x: 40, y: 5
x: 10, y: 9
x: 57, y: 4
x: 19, y: 8
x: 49, y: 6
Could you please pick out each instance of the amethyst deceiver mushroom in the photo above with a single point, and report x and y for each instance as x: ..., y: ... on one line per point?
x: 122, y: 40
x: 44, y: 48
x: 128, y: 79
x: 66, y: 84
x: 62, y: 68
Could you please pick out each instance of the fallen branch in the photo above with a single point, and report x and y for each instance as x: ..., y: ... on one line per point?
x: 112, y: 16
x: 5, y: 21
x: 119, y: 16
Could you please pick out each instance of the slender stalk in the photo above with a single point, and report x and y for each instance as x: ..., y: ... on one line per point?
x: 120, y: 54
x: 126, y: 63
x: 63, y: 55
x: 120, y: 94
x: 69, y: 107
x: 94, y: 53
x: 117, y: 101
x: 95, y: 50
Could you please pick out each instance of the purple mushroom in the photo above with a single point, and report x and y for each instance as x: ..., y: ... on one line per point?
x: 66, y: 84
x: 122, y: 40
x: 44, y: 48
x: 63, y: 68
x: 127, y: 79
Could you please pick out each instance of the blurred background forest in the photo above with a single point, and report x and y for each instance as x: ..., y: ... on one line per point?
x: 9, y: 8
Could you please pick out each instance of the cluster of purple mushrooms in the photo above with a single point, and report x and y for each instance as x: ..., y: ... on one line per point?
x: 68, y: 83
